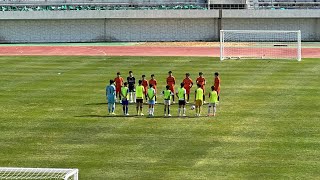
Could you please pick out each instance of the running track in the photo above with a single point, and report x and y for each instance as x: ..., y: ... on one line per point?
x: 133, y: 51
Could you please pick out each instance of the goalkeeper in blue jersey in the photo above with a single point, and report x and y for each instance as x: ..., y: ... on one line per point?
x: 111, y: 97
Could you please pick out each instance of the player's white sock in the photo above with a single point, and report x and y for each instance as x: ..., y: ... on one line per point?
x: 152, y: 111
x: 209, y: 109
x: 184, y: 110
x: 134, y: 97
x: 214, y: 110
x: 178, y: 111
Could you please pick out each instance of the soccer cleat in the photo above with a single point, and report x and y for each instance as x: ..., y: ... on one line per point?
x: 184, y: 115
x: 141, y: 114
x: 169, y: 115
x: 165, y: 115
x: 204, y: 102
x: 155, y: 102
x: 113, y: 113
x: 187, y: 102
x: 127, y: 114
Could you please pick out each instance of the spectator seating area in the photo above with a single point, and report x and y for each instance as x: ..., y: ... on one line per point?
x: 287, y: 4
x: 65, y: 6
x: 73, y: 5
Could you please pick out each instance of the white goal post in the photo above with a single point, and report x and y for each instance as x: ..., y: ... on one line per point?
x: 38, y: 173
x: 260, y: 44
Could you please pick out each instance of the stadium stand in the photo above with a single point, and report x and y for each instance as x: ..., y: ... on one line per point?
x: 47, y: 5
x: 69, y: 5
x: 285, y: 4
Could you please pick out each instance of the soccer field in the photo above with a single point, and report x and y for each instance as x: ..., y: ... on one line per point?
x: 53, y: 114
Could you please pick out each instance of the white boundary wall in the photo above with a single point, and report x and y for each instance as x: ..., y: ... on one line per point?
x: 149, y: 25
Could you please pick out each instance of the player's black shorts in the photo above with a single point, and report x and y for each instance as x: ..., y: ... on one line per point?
x: 139, y: 100
x: 131, y: 88
x: 182, y: 102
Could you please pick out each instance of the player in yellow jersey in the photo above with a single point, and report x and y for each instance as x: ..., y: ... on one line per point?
x: 167, y: 100
x: 213, y: 100
x: 198, y: 99
x: 139, y: 98
x: 125, y: 96
x: 181, y: 94
x: 151, y: 93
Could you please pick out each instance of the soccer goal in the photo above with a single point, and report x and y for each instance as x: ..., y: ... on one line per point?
x: 38, y: 173
x: 258, y: 44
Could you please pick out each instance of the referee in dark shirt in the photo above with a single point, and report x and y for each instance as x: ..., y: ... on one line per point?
x: 131, y: 85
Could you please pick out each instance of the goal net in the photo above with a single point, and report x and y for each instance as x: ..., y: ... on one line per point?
x: 38, y: 173
x: 257, y: 44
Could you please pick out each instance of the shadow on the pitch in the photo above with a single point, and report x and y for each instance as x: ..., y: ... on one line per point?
x: 134, y: 116
x: 105, y: 103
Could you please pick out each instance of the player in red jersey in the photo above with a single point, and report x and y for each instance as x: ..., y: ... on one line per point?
x: 187, y: 85
x: 202, y: 81
x: 171, y: 81
x: 217, y: 84
x: 145, y: 85
x: 153, y: 81
x: 119, y: 83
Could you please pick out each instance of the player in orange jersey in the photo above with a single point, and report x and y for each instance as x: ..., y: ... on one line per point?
x: 119, y: 83
x: 187, y: 85
x: 153, y: 81
x: 171, y: 81
x: 202, y: 81
x: 217, y: 84
x: 145, y: 85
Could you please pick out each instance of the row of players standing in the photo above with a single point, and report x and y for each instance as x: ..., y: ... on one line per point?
x: 183, y: 93
x: 171, y: 81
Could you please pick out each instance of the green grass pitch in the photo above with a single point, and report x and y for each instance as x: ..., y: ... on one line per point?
x: 267, y: 124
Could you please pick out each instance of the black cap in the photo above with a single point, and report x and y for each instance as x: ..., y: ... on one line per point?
x: 170, y: 72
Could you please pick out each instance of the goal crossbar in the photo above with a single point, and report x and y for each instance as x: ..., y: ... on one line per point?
x: 260, y: 44
x: 38, y: 173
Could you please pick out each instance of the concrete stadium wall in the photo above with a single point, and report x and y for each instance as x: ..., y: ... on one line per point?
x: 309, y: 27
x: 166, y: 25
x: 18, y: 31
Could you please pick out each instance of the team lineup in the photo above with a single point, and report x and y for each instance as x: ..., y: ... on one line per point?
x: 128, y: 92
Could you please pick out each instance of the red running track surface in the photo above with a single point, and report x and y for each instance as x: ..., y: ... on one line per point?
x: 133, y: 51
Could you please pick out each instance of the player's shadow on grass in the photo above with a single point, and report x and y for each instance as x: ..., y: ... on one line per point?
x: 134, y: 116
x: 104, y: 103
